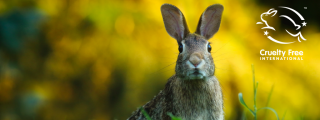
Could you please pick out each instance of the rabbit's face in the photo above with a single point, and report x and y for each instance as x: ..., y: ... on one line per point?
x: 194, y: 60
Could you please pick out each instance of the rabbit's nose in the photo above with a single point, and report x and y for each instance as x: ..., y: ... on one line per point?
x: 195, y: 59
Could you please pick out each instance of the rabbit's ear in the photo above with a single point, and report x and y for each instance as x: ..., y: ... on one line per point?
x: 174, y: 22
x: 209, y: 22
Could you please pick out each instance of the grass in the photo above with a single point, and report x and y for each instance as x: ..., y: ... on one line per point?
x: 254, y: 111
x: 145, y: 113
x: 149, y: 118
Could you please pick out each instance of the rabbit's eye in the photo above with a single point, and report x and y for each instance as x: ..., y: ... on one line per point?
x: 209, y: 48
x: 180, y: 48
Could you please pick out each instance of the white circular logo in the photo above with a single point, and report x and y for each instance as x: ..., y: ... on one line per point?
x: 273, y: 12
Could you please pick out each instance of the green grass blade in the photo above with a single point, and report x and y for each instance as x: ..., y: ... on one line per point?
x: 284, y: 115
x: 145, y: 114
x: 254, y: 88
x: 253, y: 77
x: 173, y: 117
x: 268, y: 100
x: 269, y: 108
x: 269, y: 96
x: 255, y: 97
x: 244, y: 104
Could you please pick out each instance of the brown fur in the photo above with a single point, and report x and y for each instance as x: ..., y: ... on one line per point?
x: 186, y: 99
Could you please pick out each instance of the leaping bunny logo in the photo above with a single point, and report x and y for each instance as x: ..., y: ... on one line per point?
x: 273, y: 12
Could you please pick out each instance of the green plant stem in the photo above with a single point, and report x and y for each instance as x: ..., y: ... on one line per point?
x: 255, y: 88
x: 268, y: 101
x: 254, y: 93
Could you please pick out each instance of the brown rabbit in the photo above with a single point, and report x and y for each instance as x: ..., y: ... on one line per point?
x: 193, y: 93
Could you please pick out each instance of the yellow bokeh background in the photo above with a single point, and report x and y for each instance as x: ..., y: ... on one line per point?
x: 101, y: 60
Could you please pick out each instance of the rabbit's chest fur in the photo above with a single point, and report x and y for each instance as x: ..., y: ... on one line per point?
x: 198, y: 99
x: 190, y: 100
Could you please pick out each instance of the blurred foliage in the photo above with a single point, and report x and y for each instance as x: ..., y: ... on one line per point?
x: 97, y: 59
